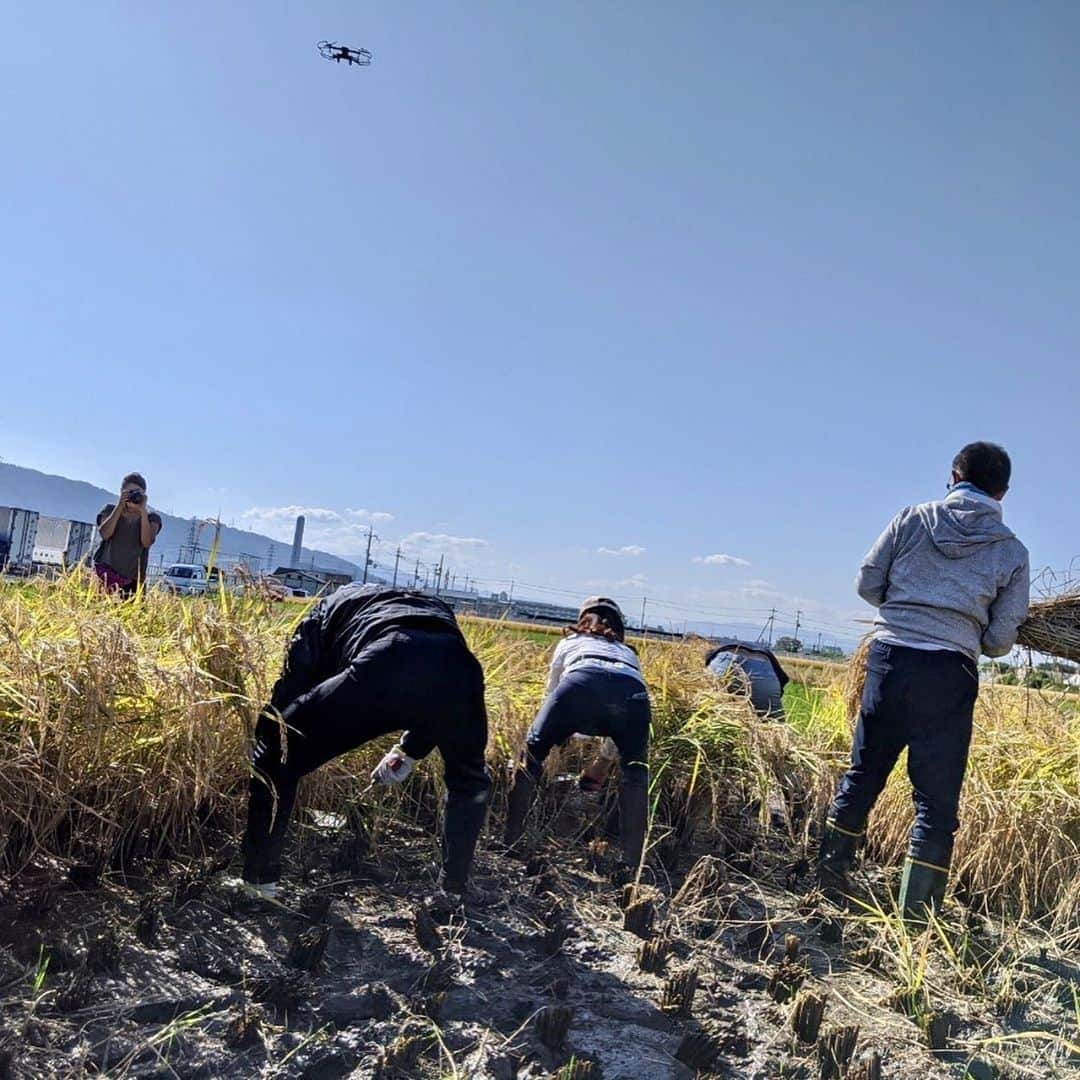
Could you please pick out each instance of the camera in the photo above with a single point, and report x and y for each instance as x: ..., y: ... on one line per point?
x: 135, y: 497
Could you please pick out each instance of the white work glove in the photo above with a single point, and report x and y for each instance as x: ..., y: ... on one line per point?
x: 393, y: 768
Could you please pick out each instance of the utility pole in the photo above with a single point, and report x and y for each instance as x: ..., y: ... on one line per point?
x: 772, y: 619
x: 438, y: 575
x: 192, y: 539
x: 798, y: 623
x: 817, y: 647
x: 416, y: 574
x: 643, y: 628
x: 367, y: 555
x: 397, y: 559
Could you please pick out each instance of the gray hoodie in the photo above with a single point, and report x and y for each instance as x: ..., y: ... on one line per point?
x: 949, y: 574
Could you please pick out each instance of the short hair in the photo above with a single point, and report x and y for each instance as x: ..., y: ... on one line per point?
x: 986, y: 465
x: 134, y: 478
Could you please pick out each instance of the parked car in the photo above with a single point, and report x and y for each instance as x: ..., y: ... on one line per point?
x: 190, y: 579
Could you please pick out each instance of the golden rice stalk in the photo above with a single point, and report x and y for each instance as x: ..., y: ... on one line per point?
x: 1053, y: 626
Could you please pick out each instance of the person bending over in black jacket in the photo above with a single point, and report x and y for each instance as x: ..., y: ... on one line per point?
x: 365, y: 661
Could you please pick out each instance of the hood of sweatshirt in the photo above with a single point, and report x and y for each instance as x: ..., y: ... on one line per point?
x: 964, y: 522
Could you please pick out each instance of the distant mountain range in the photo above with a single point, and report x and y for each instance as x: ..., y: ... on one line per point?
x: 57, y: 496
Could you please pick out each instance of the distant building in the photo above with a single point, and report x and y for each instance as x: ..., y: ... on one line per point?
x: 543, y: 612
x: 312, y: 582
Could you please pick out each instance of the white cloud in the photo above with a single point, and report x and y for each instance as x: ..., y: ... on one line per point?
x: 430, y: 540
x: 721, y: 560
x: 339, y: 532
x: 266, y: 516
x: 345, y: 533
x: 761, y: 590
x: 635, y: 581
x: 626, y: 550
x: 376, y: 517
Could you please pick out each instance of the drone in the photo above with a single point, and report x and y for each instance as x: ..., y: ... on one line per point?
x: 331, y: 50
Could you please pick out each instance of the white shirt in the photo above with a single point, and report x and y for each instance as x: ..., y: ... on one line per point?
x: 922, y: 646
x: 579, y: 651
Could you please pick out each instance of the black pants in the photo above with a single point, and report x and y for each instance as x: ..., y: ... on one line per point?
x: 592, y: 701
x: 423, y: 680
x: 922, y: 700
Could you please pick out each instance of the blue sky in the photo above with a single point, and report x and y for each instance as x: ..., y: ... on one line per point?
x: 673, y: 281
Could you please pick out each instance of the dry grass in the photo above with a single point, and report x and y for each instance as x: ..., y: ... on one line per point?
x: 1018, y: 848
x: 125, y: 729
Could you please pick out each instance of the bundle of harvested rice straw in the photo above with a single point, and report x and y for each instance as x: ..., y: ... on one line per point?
x: 1052, y: 627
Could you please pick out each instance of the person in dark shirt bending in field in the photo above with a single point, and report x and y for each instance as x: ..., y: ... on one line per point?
x: 366, y: 661
x: 128, y: 530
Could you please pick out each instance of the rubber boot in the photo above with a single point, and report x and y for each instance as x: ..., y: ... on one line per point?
x: 922, y: 889
x: 521, y: 797
x: 835, y: 860
x: 633, y: 821
x: 463, y: 821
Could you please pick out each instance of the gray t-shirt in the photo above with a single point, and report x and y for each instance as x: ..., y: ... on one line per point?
x: 123, y: 551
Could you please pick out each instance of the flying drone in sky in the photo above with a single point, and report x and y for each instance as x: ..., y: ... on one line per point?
x: 331, y: 50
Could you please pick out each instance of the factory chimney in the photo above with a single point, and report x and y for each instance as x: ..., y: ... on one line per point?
x: 297, y: 543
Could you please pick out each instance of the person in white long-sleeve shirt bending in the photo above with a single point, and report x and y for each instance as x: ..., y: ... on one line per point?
x: 595, y: 687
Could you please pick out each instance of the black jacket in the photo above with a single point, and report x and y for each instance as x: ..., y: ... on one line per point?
x: 340, y: 626
x: 356, y: 615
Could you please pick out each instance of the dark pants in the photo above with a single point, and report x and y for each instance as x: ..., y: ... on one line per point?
x: 922, y: 700
x: 424, y: 680
x: 592, y: 701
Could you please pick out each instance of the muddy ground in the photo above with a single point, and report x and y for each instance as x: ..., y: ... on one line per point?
x: 167, y: 970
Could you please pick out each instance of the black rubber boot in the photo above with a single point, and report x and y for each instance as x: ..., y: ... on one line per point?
x: 267, y: 826
x: 633, y: 821
x: 922, y: 890
x: 521, y: 797
x: 835, y: 860
x: 463, y: 821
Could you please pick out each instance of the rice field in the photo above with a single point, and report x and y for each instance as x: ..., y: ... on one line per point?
x: 125, y: 729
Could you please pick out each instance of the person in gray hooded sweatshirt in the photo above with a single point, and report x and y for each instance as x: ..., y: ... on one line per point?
x: 950, y: 581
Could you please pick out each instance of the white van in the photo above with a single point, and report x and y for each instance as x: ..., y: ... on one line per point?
x: 190, y: 579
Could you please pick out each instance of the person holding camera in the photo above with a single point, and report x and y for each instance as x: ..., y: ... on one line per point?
x: 128, y: 530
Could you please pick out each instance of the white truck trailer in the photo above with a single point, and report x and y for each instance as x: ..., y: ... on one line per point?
x: 18, y: 533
